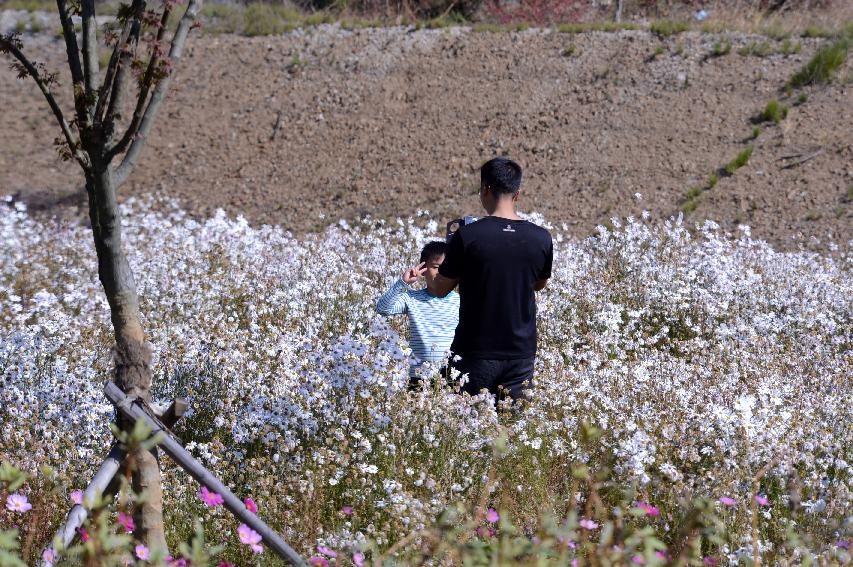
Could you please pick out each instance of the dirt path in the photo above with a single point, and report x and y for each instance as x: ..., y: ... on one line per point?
x: 387, y: 122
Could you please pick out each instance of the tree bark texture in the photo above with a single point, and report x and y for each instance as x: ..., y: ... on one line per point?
x: 132, y: 355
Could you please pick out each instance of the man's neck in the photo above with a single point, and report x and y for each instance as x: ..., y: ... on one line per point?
x: 505, y: 210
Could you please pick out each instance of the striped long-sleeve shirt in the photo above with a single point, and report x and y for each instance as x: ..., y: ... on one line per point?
x: 432, y: 320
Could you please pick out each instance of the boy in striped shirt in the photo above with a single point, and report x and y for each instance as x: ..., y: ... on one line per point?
x: 432, y: 319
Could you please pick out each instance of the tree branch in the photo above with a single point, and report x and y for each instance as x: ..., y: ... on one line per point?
x: 178, y: 40
x: 90, y: 50
x: 70, y: 42
x: 148, y: 79
x: 11, y: 44
x: 117, y: 69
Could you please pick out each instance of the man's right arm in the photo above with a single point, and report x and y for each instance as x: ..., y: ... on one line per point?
x: 451, y: 269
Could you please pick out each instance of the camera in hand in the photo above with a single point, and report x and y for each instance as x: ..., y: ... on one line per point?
x: 456, y: 224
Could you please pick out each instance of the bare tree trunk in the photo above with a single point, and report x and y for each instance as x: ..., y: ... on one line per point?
x: 132, y: 354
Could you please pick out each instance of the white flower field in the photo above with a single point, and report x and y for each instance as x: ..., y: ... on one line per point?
x: 691, y: 384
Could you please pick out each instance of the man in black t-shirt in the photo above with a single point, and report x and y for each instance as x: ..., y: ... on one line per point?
x: 499, y: 262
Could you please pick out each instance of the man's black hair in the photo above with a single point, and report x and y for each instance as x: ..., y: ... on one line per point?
x: 501, y: 175
x: 433, y: 249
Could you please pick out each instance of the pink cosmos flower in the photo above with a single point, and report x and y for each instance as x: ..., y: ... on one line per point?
x: 648, y: 509
x: 358, y: 559
x: 326, y: 551
x: 317, y: 560
x: 587, y: 524
x: 762, y: 500
x: 638, y: 560
x: 49, y: 556
x: 726, y: 501
x: 18, y: 503
x: 210, y: 499
x: 662, y: 555
x: 126, y: 521
x: 250, y: 537
x: 77, y: 497
x: 225, y: 564
x: 142, y: 552
x: 347, y: 510
x: 492, y: 516
x: 84, y: 534
x: 708, y: 560
x: 250, y: 505
x: 181, y: 562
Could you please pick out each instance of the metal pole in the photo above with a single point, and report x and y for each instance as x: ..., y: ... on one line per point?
x: 98, y: 487
x: 135, y: 411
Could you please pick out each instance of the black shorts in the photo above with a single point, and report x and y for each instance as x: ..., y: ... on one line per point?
x: 502, y: 378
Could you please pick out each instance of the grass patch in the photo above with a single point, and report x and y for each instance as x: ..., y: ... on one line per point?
x: 822, y: 67
x: 816, y: 31
x: 719, y: 49
x: 595, y: 26
x: 668, y: 28
x: 773, y: 112
x: 802, y: 99
x: 757, y: 49
x: 740, y: 160
x: 789, y: 47
x: 267, y: 19
x: 756, y: 132
x: 570, y: 51
x: 712, y: 181
x: 775, y: 31
x: 488, y: 28
x: 30, y: 5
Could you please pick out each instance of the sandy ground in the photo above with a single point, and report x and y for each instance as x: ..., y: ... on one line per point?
x: 391, y: 121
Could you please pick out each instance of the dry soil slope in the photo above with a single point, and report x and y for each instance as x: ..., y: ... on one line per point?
x: 387, y: 122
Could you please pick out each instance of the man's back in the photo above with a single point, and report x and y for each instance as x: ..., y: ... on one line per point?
x: 498, y: 262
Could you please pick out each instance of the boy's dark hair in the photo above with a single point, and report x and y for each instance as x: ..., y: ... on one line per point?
x: 501, y: 175
x: 433, y: 249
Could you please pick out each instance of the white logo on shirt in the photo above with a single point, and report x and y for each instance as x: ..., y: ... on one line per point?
x: 509, y: 229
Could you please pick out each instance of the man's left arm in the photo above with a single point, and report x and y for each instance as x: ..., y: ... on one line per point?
x: 545, y: 274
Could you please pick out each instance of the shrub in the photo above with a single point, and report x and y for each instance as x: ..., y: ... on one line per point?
x: 537, y: 12
x: 815, y: 31
x: 267, y: 19
x: 721, y: 48
x: 822, y: 67
x: 760, y: 49
x: 739, y: 161
x: 773, y: 112
x: 756, y: 131
x: 712, y: 181
x: 667, y: 28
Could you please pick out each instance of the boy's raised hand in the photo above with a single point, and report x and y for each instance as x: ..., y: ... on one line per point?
x: 411, y: 275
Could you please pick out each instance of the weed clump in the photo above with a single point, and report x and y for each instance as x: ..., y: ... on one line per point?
x: 739, y: 161
x: 720, y: 49
x: 267, y: 19
x: 668, y: 28
x: 773, y: 112
x: 822, y: 67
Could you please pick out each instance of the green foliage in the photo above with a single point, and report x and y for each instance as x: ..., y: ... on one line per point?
x: 488, y: 28
x: 679, y: 50
x: 739, y: 161
x: 8, y: 549
x: 822, y: 67
x: 802, y: 98
x: 775, y: 31
x: 773, y: 112
x: 816, y: 31
x: 570, y: 51
x: 757, y: 49
x: 721, y: 48
x: 268, y: 19
x: 756, y: 131
x: 790, y: 48
x: 712, y: 180
x: 596, y: 26
x: 659, y: 50
x: 30, y: 5
x: 667, y: 28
